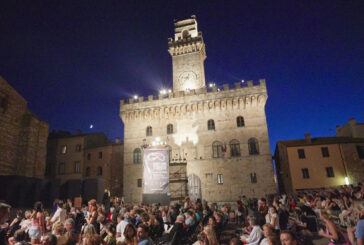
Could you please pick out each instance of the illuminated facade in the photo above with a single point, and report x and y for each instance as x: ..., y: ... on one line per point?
x: 221, y: 134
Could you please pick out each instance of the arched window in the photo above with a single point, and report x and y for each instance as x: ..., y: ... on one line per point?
x: 149, y: 131
x: 99, y: 171
x: 235, y: 148
x: 88, y: 171
x: 185, y: 34
x: 170, y: 129
x: 210, y: 124
x: 253, y: 146
x: 137, y: 156
x: 240, y: 121
x: 217, y: 149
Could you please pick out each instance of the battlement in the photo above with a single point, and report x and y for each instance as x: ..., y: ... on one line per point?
x: 214, y: 91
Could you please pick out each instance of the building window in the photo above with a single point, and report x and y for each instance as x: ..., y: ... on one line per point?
x: 77, y: 167
x: 301, y: 154
x: 99, y: 171
x: 149, y: 131
x: 220, y: 180
x: 88, y: 156
x: 170, y: 129
x: 240, y: 121
x: 78, y: 148
x: 63, y: 149
x: 100, y: 155
x: 235, y: 148
x: 139, y: 183
x: 217, y: 149
x: 305, y: 173
x: 325, y: 152
x: 88, y: 171
x: 330, y: 172
x: 360, y: 150
x: 253, y: 177
x: 137, y: 156
x: 61, y: 168
x: 210, y: 124
x: 253, y: 146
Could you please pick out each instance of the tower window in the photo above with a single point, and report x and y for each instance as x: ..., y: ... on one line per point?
x: 330, y: 172
x: 139, y: 182
x: 235, y: 148
x: 305, y: 173
x: 301, y: 154
x: 88, y: 156
x: 325, y: 152
x: 185, y: 34
x: 253, y: 146
x: 217, y: 149
x: 3, y: 103
x: 253, y: 178
x: 210, y: 124
x: 100, y: 155
x: 170, y: 129
x: 240, y: 121
x: 220, y: 179
x: 149, y: 131
x: 137, y: 156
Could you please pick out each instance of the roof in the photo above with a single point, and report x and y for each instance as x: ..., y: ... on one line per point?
x: 66, y: 134
x: 321, y: 141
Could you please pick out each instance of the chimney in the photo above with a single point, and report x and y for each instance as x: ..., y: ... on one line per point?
x: 117, y: 140
x: 308, y: 138
x: 79, y: 132
x: 352, y: 121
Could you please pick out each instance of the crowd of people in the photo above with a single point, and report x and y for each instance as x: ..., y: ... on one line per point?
x: 336, y: 214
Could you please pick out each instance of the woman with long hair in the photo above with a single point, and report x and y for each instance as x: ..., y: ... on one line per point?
x: 37, y: 228
x: 91, y: 219
x: 130, y: 235
x: 332, y: 231
x: 90, y: 237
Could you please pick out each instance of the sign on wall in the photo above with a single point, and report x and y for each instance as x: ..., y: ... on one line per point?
x: 156, y: 171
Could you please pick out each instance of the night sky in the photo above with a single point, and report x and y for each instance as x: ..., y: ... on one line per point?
x: 74, y: 60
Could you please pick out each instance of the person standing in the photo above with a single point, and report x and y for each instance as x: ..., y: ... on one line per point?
x: 37, y: 229
x: 60, y: 214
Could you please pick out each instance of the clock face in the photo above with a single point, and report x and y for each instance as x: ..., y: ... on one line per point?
x: 187, y: 80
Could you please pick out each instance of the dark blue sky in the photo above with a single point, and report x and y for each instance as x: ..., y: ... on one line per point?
x: 74, y: 60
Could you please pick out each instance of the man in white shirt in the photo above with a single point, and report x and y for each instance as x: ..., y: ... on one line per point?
x: 60, y: 214
x: 255, y: 235
x: 121, y: 226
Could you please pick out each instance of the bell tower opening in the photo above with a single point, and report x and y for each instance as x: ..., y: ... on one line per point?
x: 187, y: 49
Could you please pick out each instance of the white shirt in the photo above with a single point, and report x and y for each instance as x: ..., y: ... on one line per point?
x: 264, y: 242
x: 60, y: 215
x: 254, y: 236
x: 121, y: 227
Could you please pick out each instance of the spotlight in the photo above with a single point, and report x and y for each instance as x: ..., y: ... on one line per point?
x: 158, y: 139
x: 242, y: 81
x: 135, y: 97
x: 163, y: 91
x: 169, y: 91
x: 347, y: 181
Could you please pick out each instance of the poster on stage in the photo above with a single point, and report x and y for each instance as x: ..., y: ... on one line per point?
x: 156, y: 171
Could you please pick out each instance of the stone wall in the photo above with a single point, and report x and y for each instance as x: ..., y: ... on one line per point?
x: 354, y: 165
x: 189, y: 112
x: 23, y: 136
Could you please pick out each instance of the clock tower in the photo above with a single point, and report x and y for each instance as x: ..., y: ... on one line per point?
x: 187, y: 49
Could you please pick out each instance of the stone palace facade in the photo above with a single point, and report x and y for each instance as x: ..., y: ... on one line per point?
x: 221, y: 135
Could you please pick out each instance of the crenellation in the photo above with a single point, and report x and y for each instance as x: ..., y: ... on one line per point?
x: 226, y: 87
x: 250, y: 83
x: 237, y: 85
x: 150, y: 97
